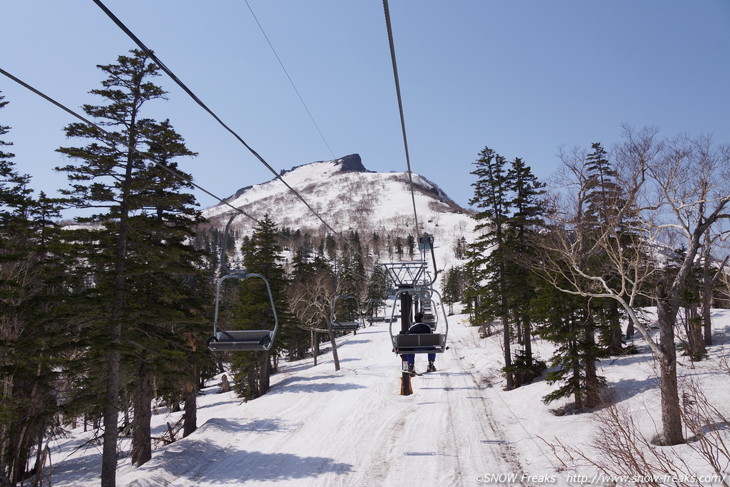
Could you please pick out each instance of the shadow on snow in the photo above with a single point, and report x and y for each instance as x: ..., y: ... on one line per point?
x: 307, y: 384
x: 201, y: 461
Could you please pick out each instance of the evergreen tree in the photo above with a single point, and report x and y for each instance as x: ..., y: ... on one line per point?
x: 136, y: 251
x: 411, y: 244
x: 460, y: 248
x: 453, y: 287
x: 295, y: 340
x: 523, y: 224
x: 602, y: 219
x: 399, y: 248
x: 377, y: 290
x: 603, y: 202
x: 32, y: 340
x: 563, y: 316
x: 487, y: 254
x: 261, y: 255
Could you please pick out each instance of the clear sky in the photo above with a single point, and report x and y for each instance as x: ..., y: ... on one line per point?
x: 521, y: 77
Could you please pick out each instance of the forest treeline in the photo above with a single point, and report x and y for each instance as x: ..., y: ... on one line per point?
x: 107, y: 317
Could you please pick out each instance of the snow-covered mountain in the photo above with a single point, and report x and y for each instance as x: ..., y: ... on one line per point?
x: 349, y: 198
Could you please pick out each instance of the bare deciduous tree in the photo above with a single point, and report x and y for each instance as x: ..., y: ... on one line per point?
x: 674, y: 191
x: 311, y: 303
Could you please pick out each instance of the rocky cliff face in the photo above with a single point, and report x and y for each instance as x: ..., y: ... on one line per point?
x: 351, y: 162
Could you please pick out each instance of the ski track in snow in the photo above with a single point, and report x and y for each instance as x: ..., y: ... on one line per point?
x: 319, y: 427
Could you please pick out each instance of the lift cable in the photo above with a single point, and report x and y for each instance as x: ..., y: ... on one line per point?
x: 151, y: 54
x: 114, y: 138
x: 290, y: 80
x: 400, y: 106
x: 182, y: 85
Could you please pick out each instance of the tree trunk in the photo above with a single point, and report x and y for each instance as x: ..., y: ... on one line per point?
x: 190, y: 416
x: 264, y: 373
x: 141, y: 435
x: 315, y: 345
x: 592, y: 387
x: 630, y: 329
x: 334, y: 350
x: 225, y: 385
x: 20, y: 456
x: 671, y: 412
x: 528, y: 341
x: 707, y: 297
x: 507, y: 353
x: 111, y: 416
x: 576, y: 379
x: 615, y: 345
x: 707, y: 321
x: 697, y: 348
x: 111, y: 399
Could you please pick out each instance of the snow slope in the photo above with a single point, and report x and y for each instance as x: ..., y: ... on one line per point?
x: 318, y: 427
x: 321, y: 427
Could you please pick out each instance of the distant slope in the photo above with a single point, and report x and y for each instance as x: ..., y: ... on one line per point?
x: 347, y: 196
x: 350, y: 198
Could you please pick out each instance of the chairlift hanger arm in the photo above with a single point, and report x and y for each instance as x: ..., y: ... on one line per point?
x: 425, y: 243
x: 224, y: 246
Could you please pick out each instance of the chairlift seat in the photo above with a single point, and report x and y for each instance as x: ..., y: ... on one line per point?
x: 419, y: 343
x: 241, y: 340
x: 345, y: 325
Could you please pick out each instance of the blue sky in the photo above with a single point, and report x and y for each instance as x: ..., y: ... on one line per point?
x: 521, y: 77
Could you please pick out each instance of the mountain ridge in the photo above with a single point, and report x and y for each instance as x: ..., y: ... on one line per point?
x: 345, y: 194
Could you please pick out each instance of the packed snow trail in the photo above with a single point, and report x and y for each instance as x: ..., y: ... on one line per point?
x: 319, y: 427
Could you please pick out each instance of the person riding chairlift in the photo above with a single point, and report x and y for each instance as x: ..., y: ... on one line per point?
x: 417, y: 328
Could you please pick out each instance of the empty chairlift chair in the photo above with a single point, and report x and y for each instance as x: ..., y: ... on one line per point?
x: 346, y: 325
x: 225, y: 337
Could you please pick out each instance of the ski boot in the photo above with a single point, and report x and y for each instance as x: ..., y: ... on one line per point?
x: 431, y: 367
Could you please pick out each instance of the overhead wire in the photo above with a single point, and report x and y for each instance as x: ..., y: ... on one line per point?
x: 311, y: 117
x: 169, y: 72
x: 114, y: 138
x: 187, y: 90
x: 400, y: 106
x: 117, y: 139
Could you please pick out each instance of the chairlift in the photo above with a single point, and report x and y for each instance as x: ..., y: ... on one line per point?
x: 425, y: 242
x: 230, y: 340
x: 419, y: 342
x: 375, y: 305
x: 346, y: 325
